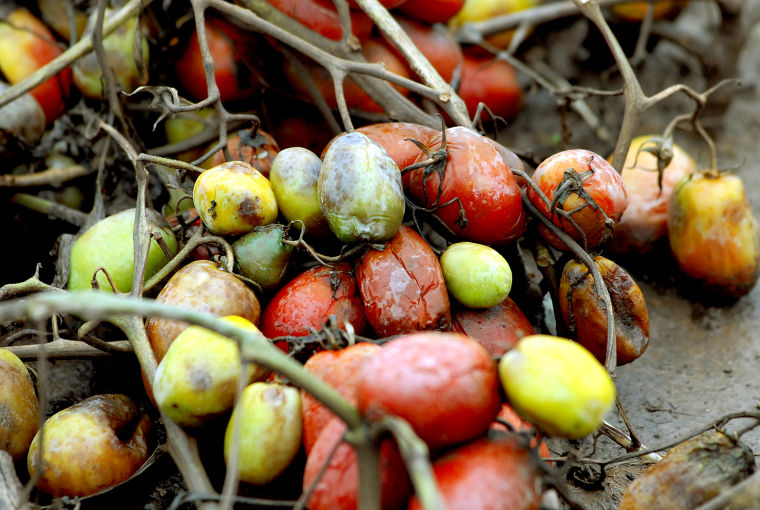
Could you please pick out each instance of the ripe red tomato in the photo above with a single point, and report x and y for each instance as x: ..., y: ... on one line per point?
x: 600, y: 181
x: 322, y: 17
x: 497, y: 328
x: 259, y: 150
x: 510, y: 416
x: 444, y: 384
x: 392, y: 136
x: 432, y: 11
x: 310, y: 298
x: 491, y: 81
x: 338, y: 487
x: 340, y: 369
x: 487, y: 474
x: 477, y: 175
x: 402, y: 286
x: 228, y: 49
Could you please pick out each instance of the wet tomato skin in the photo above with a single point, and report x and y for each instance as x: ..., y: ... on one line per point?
x: 402, y: 286
x: 604, y: 185
x: 497, y: 328
x: 477, y: 175
x: 309, y: 299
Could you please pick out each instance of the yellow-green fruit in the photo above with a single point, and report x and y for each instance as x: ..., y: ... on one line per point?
x: 19, y: 409
x: 557, y: 385
x: 481, y: 10
x: 294, y: 176
x: 233, y: 198
x: 109, y: 244
x: 197, y: 379
x: 270, y: 431
x: 476, y: 275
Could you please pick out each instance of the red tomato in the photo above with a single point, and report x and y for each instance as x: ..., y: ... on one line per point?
x: 510, y: 416
x: 487, y: 474
x: 392, y: 136
x: 435, y: 42
x: 402, y: 286
x: 444, y: 384
x: 497, y: 328
x: 338, y: 487
x: 602, y: 183
x: 322, y: 17
x: 26, y: 44
x: 432, y: 11
x: 228, y: 49
x: 479, y: 177
x: 340, y: 369
x: 258, y: 150
x: 388, y: 4
x: 493, y: 82
x: 305, y: 130
x: 307, y: 301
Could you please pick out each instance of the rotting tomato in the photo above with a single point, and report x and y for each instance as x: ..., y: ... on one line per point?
x: 491, y: 81
x: 572, y: 180
x: 402, y: 286
x: 310, y: 298
x: 340, y: 369
x: 515, y: 421
x: 254, y: 146
x: 497, y: 328
x: 444, y: 384
x: 338, y: 486
x: 432, y: 11
x: 322, y: 17
x: 487, y: 474
x: 586, y: 317
x: 489, y: 207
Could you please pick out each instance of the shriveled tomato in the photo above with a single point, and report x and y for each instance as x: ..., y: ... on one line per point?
x: 509, y: 415
x: 256, y: 147
x: 475, y: 173
x: 432, y: 11
x: 444, y: 384
x: 322, y: 17
x: 497, y: 328
x: 310, y: 298
x: 586, y: 317
x: 571, y: 180
x: 402, y: 286
x: 493, y: 474
x: 491, y: 81
x: 228, y: 48
x: 338, y: 485
x: 340, y: 369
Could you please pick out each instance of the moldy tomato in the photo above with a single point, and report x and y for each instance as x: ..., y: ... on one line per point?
x: 254, y: 146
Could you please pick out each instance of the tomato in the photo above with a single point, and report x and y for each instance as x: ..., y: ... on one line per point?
x: 497, y: 328
x: 392, y: 136
x: 203, y: 251
x: 637, y: 11
x: 493, y: 474
x: 26, y: 44
x: 432, y: 11
x: 477, y: 175
x: 340, y: 369
x: 481, y: 10
x: 599, y: 180
x: 307, y: 130
x: 228, y: 49
x: 444, y: 384
x: 645, y: 220
x: 256, y: 147
x: 338, y: 486
x: 310, y: 298
x: 321, y: 17
x: 402, y: 286
x: 586, y: 316
x: 510, y: 416
x: 493, y: 82
x: 435, y: 42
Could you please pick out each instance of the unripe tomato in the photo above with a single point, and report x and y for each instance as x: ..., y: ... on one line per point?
x: 477, y: 175
x: 497, y: 328
x: 491, y: 81
x: 20, y: 408
x: 310, y: 298
x: 595, y: 177
x: 340, y: 369
x: 432, y: 11
x: 256, y: 147
x: 233, y: 198
x: 645, y: 220
x: 476, y: 275
x: 481, y: 10
x: 322, y: 17
x: 637, y: 11
x: 585, y: 316
x: 402, y: 286
x: 444, y: 384
x: 714, y: 234
x: 262, y: 256
x: 557, y: 385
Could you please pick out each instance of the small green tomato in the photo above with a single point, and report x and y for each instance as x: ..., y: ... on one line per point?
x: 476, y: 275
x: 557, y: 385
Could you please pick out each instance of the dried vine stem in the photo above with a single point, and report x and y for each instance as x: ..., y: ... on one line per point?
x: 47, y: 177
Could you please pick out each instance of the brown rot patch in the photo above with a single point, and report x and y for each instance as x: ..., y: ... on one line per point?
x: 250, y: 209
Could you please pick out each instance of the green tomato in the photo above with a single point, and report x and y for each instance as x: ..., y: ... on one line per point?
x: 294, y: 175
x: 476, y: 275
x: 262, y: 256
x: 557, y: 385
x: 109, y: 244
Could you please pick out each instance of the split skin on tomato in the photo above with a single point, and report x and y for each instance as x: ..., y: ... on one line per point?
x: 476, y: 175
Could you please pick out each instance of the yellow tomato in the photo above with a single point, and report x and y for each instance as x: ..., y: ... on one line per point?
x: 636, y: 11
x: 481, y: 10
